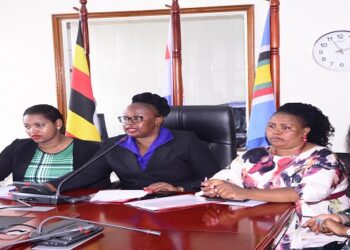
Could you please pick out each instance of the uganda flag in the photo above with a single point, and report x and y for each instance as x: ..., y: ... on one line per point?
x: 81, y: 112
x: 263, y: 103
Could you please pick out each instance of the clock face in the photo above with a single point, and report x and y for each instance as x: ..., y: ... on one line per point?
x: 332, y: 50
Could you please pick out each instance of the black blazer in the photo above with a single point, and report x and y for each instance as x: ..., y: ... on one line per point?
x: 184, y: 161
x: 16, y: 157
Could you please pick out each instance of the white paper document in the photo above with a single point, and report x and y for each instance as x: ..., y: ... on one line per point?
x: 117, y: 195
x: 186, y: 200
x: 248, y: 203
x: 175, y: 201
x: 245, y: 203
x: 5, y: 192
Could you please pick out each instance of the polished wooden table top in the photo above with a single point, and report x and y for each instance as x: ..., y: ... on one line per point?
x: 201, y: 227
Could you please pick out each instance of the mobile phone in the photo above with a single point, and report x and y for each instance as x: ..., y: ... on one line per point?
x: 32, y: 188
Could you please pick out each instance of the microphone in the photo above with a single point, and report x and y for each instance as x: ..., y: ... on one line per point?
x: 40, y: 193
x: 148, y: 231
x: 87, y: 164
x: 61, y: 236
x: 40, y: 235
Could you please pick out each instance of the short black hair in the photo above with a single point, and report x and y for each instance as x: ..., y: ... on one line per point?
x: 160, y: 103
x: 49, y: 112
x: 320, y: 128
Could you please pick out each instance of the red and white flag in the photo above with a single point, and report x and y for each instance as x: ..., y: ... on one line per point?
x: 168, y: 84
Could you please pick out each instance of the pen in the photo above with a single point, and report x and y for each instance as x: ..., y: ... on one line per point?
x: 205, y: 180
x: 200, y: 186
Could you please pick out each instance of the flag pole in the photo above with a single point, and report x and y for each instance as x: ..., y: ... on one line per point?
x: 85, y: 29
x: 176, y: 55
x: 82, y: 106
x: 275, y: 46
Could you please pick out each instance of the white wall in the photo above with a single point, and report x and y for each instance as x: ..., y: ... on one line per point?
x: 27, y: 74
x: 301, y: 23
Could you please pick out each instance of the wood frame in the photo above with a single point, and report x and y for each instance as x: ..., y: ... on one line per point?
x: 275, y: 48
x: 58, y: 43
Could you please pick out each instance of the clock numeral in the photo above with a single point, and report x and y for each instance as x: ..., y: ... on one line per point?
x: 332, y: 50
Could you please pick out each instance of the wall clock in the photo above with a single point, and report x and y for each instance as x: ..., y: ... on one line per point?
x: 332, y: 50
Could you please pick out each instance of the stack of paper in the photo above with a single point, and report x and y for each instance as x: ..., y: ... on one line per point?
x: 240, y: 203
x: 245, y: 203
x: 5, y: 192
x: 187, y: 200
x: 117, y: 195
x: 169, y: 202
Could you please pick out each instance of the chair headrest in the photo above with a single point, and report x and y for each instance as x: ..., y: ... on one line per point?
x: 213, y: 124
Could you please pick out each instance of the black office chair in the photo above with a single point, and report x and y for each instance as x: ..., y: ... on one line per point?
x: 344, y: 158
x: 213, y: 124
x: 102, y: 126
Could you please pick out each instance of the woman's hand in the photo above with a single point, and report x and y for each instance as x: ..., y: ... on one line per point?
x: 161, y: 186
x: 223, y: 189
x: 50, y: 186
x: 327, y: 224
x: 335, y: 227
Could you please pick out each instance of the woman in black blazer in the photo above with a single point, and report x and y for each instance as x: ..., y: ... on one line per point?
x: 48, y: 153
x: 151, y: 157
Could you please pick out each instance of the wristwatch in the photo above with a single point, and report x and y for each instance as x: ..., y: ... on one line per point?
x: 348, y: 232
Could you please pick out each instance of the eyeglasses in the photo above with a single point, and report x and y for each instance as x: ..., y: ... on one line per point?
x: 133, y: 119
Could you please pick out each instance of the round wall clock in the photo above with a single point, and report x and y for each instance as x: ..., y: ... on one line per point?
x: 332, y: 50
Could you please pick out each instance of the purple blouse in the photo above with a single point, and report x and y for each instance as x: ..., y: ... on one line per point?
x: 164, y: 136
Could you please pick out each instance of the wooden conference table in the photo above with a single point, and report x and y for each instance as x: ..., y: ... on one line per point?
x: 209, y: 226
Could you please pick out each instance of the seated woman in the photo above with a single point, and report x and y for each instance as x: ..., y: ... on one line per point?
x: 152, y: 157
x: 336, y: 223
x: 48, y: 153
x: 297, y: 167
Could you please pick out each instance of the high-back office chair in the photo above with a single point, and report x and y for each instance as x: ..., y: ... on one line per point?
x: 214, y: 125
x: 102, y: 126
x: 344, y: 158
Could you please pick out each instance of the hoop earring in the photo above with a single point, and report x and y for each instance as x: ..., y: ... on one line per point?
x: 305, y: 138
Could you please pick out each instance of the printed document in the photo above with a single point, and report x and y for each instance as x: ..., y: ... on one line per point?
x: 186, y: 200
x: 169, y: 202
x: 117, y: 195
